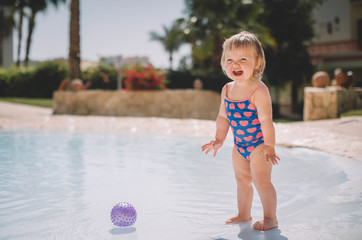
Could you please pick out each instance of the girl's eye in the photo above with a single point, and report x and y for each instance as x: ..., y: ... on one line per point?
x: 243, y: 59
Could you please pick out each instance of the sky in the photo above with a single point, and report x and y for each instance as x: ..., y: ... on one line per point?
x: 108, y: 28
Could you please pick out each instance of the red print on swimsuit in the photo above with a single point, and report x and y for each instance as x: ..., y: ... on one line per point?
x: 241, y: 106
x: 237, y: 115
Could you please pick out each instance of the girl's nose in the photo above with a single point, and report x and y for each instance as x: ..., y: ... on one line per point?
x: 235, y: 64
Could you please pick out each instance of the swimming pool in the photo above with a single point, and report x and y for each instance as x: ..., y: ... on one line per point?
x: 63, y: 185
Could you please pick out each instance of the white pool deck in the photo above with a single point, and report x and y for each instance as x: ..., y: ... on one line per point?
x: 342, y: 136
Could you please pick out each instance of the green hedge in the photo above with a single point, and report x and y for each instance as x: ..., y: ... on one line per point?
x: 42, y: 80
x: 45, y: 78
x: 212, y: 80
x: 101, y: 77
x: 15, y: 81
x: 33, y: 82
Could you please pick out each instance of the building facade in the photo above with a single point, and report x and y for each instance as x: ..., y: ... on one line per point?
x: 338, y: 41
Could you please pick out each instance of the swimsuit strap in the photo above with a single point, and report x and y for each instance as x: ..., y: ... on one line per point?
x: 226, y: 90
x: 227, y: 87
x: 261, y: 85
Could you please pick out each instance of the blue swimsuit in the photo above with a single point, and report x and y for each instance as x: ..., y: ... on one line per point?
x: 244, y: 122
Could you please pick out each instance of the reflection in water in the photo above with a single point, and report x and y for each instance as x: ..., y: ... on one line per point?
x: 73, y: 160
x: 247, y: 233
x: 122, y: 230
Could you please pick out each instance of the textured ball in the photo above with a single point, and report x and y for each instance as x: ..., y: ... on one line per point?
x: 123, y: 214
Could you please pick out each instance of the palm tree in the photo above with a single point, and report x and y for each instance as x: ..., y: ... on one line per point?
x: 171, y: 39
x: 19, y: 7
x: 35, y: 8
x: 74, y: 38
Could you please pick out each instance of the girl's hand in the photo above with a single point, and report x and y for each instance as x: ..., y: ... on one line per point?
x: 214, y: 144
x: 269, y: 154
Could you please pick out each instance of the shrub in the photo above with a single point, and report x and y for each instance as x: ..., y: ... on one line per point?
x: 46, y: 79
x: 15, y: 81
x: 34, y: 82
x: 139, y: 77
x: 214, y: 80
x: 180, y: 79
x: 101, y: 77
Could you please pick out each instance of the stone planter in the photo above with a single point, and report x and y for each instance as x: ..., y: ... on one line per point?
x: 199, y: 104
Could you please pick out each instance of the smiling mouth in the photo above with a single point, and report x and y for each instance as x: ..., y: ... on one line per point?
x: 237, y: 73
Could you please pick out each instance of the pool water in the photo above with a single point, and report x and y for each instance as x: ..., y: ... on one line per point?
x: 63, y: 185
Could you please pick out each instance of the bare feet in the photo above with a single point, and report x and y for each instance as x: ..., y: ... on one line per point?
x: 265, y: 224
x: 238, y: 219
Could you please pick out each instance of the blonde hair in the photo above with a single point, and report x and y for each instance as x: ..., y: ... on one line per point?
x: 245, y: 39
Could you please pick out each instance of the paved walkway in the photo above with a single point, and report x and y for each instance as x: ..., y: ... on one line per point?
x: 19, y: 110
x: 341, y: 136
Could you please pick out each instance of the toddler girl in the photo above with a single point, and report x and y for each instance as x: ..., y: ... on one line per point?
x: 246, y: 108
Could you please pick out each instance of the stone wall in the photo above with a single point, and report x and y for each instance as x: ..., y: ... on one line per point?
x: 330, y: 102
x: 199, y: 104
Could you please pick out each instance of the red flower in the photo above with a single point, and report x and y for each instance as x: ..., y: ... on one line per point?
x: 143, y: 77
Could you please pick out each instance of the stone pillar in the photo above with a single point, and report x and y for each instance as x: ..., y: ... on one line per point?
x: 330, y: 102
x: 319, y: 103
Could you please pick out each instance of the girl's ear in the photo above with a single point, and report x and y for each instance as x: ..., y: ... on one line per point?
x: 257, y: 67
x: 258, y: 62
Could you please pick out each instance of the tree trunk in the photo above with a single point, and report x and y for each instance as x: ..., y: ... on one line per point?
x: 30, y: 33
x: 217, y: 52
x: 74, y: 43
x: 2, y: 27
x: 20, y: 31
x: 294, y: 93
x: 171, y: 60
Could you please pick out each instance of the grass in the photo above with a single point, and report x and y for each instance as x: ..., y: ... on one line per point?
x: 39, y: 102
x: 357, y: 112
x: 285, y: 120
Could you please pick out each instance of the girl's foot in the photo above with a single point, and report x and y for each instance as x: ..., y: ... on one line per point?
x: 238, y: 219
x: 265, y: 224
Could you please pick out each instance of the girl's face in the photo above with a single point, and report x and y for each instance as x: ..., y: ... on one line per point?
x: 240, y: 64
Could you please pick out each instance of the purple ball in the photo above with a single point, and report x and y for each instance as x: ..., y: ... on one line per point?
x: 123, y: 214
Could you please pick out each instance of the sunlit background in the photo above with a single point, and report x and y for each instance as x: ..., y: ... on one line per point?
x: 108, y: 29
x: 183, y: 39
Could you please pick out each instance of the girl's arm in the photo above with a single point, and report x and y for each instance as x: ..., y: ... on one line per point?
x: 222, y: 127
x: 263, y: 104
x: 222, y: 122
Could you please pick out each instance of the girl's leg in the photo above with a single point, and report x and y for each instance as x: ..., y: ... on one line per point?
x: 244, y: 188
x: 261, y: 173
